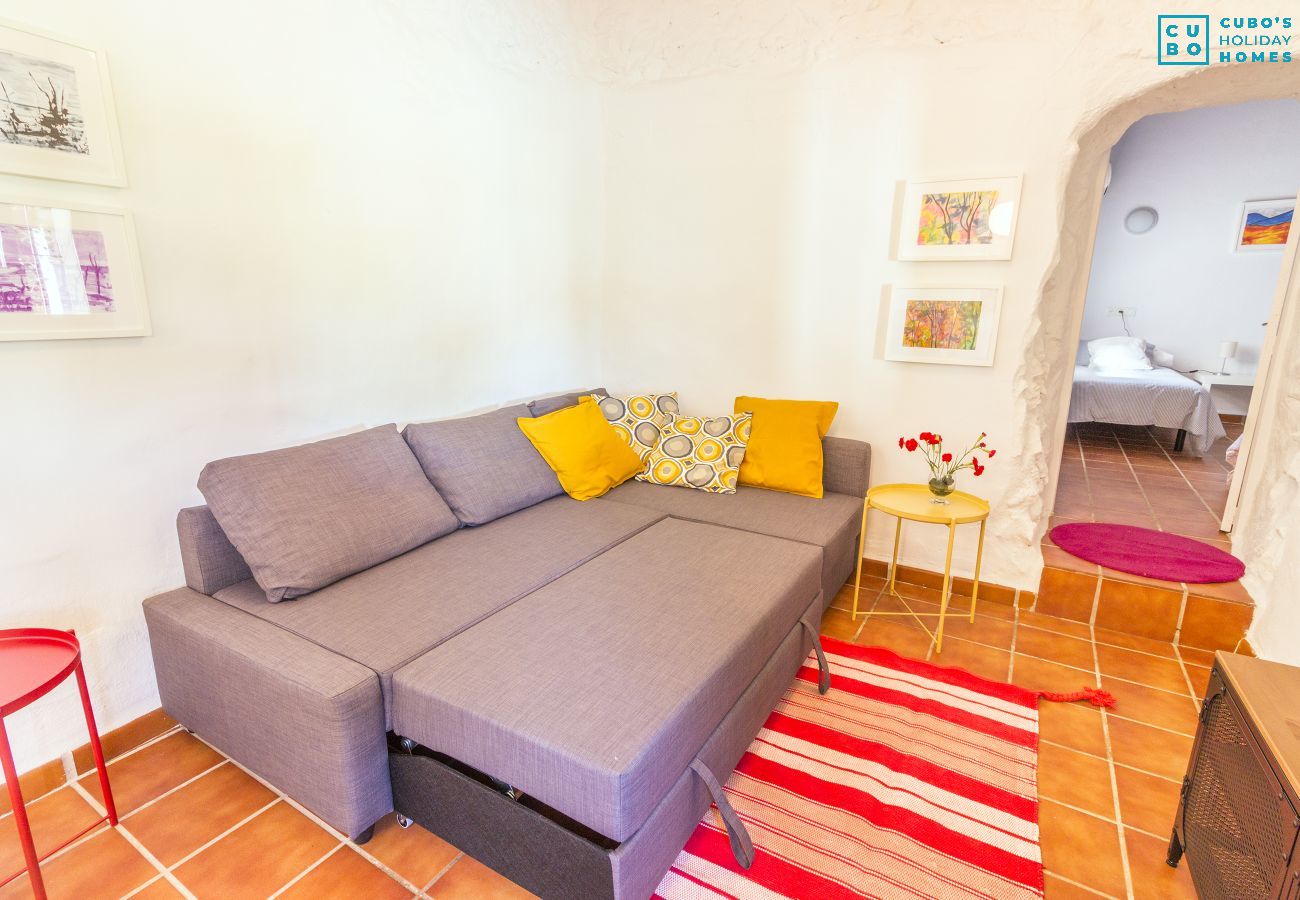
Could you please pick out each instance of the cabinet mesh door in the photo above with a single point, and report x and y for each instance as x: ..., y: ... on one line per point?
x: 1237, y: 838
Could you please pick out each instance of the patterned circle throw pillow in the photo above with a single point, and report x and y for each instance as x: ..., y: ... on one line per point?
x: 639, y: 418
x: 704, y: 454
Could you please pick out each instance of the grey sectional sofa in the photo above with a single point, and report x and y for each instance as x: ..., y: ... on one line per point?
x: 555, y: 686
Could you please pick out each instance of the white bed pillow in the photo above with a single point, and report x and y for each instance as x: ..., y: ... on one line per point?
x: 1162, y: 358
x: 1118, y: 354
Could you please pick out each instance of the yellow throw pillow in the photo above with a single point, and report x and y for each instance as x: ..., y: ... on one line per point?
x: 785, y: 444
x: 586, y: 453
x: 704, y: 454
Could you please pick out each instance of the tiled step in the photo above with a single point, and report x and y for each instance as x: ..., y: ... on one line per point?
x: 1204, y: 616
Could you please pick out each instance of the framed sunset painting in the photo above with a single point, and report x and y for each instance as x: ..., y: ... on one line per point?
x: 967, y: 219
x: 952, y: 326
x: 1264, y: 224
x: 69, y: 273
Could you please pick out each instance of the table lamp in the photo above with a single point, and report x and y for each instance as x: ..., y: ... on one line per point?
x: 1227, y: 350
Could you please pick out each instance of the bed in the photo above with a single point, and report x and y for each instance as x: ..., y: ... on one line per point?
x: 1158, y: 396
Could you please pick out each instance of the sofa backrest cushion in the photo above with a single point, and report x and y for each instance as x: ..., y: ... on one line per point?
x: 483, y: 466
x: 306, y: 516
x: 547, y: 405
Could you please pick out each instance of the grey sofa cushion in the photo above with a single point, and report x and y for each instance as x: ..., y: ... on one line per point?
x: 483, y: 466
x: 594, y: 693
x: 385, y: 616
x: 559, y: 401
x: 306, y: 516
x: 831, y: 522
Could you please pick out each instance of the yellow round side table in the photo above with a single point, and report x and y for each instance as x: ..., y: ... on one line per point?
x: 915, y: 503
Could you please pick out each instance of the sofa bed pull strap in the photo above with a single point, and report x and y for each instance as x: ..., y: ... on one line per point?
x: 741, y: 846
x: 823, y: 667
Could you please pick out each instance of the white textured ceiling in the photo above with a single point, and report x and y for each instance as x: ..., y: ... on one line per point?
x: 651, y: 40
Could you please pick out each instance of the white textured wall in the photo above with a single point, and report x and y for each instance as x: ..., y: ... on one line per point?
x: 753, y: 164
x: 1270, y: 528
x: 346, y: 216
x: 1189, y: 288
x: 355, y: 213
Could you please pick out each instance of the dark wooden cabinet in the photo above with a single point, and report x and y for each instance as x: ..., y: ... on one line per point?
x: 1239, y: 816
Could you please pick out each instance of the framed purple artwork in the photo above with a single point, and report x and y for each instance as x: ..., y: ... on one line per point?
x: 69, y: 273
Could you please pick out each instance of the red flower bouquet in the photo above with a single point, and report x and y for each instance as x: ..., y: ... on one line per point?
x: 945, y: 465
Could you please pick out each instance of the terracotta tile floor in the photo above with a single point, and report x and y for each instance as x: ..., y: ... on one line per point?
x: 1131, y: 475
x: 196, y: 824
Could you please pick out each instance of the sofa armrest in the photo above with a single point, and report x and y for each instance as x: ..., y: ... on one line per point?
x: 211, y: 562
x: 307, y: 720
x: 846, y: 467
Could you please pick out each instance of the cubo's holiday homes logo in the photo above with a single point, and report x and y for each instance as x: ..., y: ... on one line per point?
x: 1186, y: 40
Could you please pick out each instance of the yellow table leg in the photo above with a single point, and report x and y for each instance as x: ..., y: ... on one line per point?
x: 947, y: 591
x: 979, y: 557
x: 862, y: 551
x: 893, y: 563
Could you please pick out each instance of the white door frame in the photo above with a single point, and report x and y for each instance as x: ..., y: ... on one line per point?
x: 1287, y: 283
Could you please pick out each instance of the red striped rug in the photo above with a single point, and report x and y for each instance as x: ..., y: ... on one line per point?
x: 905, y: 780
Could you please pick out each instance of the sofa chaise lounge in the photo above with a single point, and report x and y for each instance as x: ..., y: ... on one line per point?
x: 557, y: 687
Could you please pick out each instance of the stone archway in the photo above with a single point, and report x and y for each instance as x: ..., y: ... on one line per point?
x: 1042, y: 382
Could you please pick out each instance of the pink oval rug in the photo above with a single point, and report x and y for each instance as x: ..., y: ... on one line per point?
x: 1142, y: 551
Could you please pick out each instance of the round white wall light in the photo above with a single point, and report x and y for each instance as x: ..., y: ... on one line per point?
x: 1141, y: 220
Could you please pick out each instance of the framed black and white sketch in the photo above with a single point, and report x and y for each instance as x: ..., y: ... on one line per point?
x: 69, y: 273
x: 974, y: 218
x: 56, y: 110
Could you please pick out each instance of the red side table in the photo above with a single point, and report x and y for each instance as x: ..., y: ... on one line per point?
x: 33, y: 661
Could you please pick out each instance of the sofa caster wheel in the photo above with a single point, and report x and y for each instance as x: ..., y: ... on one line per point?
x: 364, y: 836
x: 403, y: 821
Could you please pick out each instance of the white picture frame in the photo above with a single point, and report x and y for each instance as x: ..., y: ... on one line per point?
x: 69, y: 272
x: 57, y: 118
x: 938, y: 221
x: 1264, y: 211
x: 909, y: 339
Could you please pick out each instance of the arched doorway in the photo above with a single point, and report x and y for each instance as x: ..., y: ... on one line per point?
x: 1042, y: 383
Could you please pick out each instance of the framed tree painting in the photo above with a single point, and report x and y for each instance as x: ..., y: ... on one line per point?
x: 56, y: 110
x: 974, y: 218
x: 69, y: 273
x: 1264, y: 224
x: 953, y: 326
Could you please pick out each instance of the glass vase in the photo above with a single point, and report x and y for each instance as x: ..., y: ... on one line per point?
x: 941, y: 488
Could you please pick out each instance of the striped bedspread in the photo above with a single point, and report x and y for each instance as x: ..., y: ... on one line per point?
x: 905, y: 780
x: 1160, y: 397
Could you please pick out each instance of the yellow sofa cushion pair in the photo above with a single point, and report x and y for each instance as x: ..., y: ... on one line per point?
x: 785, y: 444
x: 588, y: 455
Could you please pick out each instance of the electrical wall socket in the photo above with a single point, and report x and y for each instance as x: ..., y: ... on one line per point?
x: 1127, y: 312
